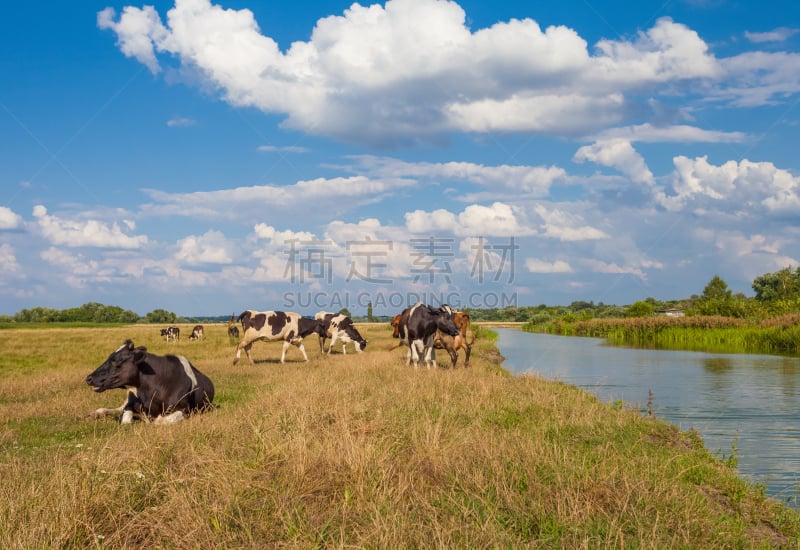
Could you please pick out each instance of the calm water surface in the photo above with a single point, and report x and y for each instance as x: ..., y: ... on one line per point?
x: 751, y: 402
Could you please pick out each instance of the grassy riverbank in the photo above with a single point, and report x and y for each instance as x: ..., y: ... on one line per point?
x: 726, y: 334
x: 351, y: 451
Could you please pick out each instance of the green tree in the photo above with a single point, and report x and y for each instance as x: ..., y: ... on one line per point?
x: 640, y: 309
x: 345, y: 311
x: 781, y: 285
x: 718, y: 299
x: 161, y: 316
x: 369, y: 312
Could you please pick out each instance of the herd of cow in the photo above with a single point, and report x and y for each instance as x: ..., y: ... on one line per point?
x: 167, y: 388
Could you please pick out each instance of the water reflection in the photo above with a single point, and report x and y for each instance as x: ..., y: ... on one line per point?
x: 717, y: 365
x: 749, y: 402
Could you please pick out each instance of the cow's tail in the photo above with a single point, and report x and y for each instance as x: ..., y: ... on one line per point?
x: 242, y: 316
x: 396, y: 345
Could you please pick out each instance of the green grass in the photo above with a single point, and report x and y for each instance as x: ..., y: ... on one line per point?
x: 352, y: 451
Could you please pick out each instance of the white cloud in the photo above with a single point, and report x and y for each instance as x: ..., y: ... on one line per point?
x: 499, y: 219
x: 542, y: 266
x: 533, y: 180
x: 676, y: 133
x: 282, y: 149
x: 89, y: 233
x: 8, y: 261
x: 181, y: 121
x: 413, y: 68
x: 210, y: 248
x: 266, y: 200
x: 137, y: 30
x: 781, y: 34
x: 743, y: 187
x: 559, y: 224
x: 599, y: 266
x: 619, y: 154
x: 9, y: 219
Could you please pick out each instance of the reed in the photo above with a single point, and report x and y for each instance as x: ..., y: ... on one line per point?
x: 352, y: 451
x: 710, y: 333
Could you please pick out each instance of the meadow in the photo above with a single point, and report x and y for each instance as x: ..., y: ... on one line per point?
x: 351, y: 451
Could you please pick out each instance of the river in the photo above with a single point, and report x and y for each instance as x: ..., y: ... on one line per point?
x: 749, y: 403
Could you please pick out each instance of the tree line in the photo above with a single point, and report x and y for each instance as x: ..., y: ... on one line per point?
x: 776, y: 293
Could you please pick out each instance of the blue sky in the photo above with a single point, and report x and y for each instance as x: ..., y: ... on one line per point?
x: 210, y: 157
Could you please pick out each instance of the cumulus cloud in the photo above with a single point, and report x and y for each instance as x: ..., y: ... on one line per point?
x: 8, y: 261
x: 619, y: 154
x: 413, y: 68
x: 499, y: 219
x: 559, y: 224
x: 210, y: 248
x: 9, y: 219
x: 88, y: 233
x: 744, y: 186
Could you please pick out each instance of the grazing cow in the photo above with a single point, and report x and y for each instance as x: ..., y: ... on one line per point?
x: 272, y: 326
x: 452, y: 344
x: 162, y: 387
x: 172, y: 334
x: 339, y: 327
x: 197, y: 333
x: 417, y: 329
x: 233, y: 330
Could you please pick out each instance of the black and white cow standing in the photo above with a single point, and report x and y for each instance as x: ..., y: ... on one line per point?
x: 166, y: 388
x: 337, y: 326
x: 273, y: 326
x: 197, y: 333
x: 172, y: 334
x: 417, y: 328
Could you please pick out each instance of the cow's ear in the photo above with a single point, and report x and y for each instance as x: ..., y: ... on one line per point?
x: 139, y: 353
x: 128, y: 344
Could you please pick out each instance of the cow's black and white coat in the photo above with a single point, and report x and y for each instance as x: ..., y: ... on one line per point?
x: 197, y: 333
x: 172, y: 334
x: 164, y: 388
x: 339, y: 327
x: 273, y: 326
x: 417, y: 328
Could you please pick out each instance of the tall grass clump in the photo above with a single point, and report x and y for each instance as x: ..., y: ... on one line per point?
x: 352, y: 451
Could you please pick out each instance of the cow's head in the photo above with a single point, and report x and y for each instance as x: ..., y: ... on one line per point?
x: 120, y: 370
x: 396, y: 326
x: 444, y: 321
x: 356, y: 337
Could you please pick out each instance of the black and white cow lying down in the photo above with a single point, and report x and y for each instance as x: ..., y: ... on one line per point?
x: 339, y: 327
x: 165, y: 388
x: 273, y: 326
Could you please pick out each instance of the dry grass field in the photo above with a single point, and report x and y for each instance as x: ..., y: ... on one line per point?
x: 350, y: 451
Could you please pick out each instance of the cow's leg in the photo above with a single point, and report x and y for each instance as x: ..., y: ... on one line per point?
x: 334, y: 338
x: 467, y: 351
x: 302, y: 349
x: 286, y: 344
x: 171, y: 418
x: 322, y: 344
x: 126, y: 410
x: 244, y: 344
x: 416, y: 347
x: 430, y: 352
